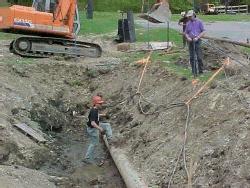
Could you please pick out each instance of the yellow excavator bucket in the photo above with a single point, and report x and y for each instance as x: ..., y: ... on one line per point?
x: 158, y: 14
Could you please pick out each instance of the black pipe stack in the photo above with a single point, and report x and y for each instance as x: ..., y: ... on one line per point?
x: 126, y: 28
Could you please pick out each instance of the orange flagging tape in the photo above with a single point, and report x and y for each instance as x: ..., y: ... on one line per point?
x: 145, y: 61
x: 226, y: 62
x: 195, y: 82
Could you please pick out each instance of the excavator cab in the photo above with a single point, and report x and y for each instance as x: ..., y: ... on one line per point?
x: 45, y: 5
x: 50, y: 6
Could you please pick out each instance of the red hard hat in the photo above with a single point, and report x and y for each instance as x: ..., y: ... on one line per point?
x: 97, y: 100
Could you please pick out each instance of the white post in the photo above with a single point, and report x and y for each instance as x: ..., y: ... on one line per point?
x: 47, y: 5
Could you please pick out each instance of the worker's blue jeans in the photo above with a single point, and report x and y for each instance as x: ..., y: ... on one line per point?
x: 195, y: 56
x: 94, y: 139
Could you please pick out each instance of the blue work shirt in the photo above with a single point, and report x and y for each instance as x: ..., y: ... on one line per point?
x: 194, y: 28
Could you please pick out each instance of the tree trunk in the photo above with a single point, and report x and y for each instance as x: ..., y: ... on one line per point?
x: 142, y: 6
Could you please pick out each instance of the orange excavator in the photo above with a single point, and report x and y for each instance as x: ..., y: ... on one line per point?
x: 50, y: 27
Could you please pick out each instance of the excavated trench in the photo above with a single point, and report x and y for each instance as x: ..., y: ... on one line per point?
x: 53, y: 97
x: 67, y: 145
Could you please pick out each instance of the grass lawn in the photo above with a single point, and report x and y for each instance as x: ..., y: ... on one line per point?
x: 102, y: 22
x: 168, y: 61
x: 157, y: 34
x: 106, y: 22
x: 4, y: 4
x: 7, y: 36
x: 219, y: 17
x: 23, y: 61
x: 246, y: 50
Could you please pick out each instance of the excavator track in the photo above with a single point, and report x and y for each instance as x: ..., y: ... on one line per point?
x: 43, y: 47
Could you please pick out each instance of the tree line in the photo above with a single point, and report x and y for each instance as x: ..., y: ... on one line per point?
x: 136, y: 5
x: 115, y: 5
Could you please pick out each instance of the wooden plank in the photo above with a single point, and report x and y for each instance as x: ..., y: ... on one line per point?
x: 31, y: 132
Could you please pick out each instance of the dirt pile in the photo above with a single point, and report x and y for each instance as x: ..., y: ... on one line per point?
x: 217, y: 136
x: 52, y: 96
x: 17, y: 176
x: 214, y: 54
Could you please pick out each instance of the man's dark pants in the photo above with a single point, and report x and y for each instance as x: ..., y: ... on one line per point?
x: 195, y: 52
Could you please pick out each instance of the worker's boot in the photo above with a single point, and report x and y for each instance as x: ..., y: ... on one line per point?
x: 87, y: 161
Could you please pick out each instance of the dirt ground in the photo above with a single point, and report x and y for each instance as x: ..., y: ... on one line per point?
x: 52, y: 96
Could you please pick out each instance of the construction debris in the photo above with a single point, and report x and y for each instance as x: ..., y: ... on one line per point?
x: 123, y: 47
x: 31, y: 132
x: 160, y: 45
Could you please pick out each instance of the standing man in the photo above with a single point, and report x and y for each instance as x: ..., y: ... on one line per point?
x: 94, y: 127
x: 193, y: 32
x: 183, y: 21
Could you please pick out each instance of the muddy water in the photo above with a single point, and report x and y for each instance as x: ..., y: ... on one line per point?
x: 67, y: 152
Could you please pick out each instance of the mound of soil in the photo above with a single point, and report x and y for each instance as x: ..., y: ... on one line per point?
x: 52, y: 96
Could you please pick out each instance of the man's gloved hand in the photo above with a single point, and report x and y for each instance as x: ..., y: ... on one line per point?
x: 196, y: 39
x: 189, y: 39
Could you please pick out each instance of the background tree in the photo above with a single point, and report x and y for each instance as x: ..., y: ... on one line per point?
x: 176, y: 6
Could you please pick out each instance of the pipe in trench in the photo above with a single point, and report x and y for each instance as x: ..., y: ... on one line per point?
x: 131, y: 178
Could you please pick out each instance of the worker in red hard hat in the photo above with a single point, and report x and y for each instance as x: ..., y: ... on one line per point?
x: 94, y: 127
x: 97, y: 100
